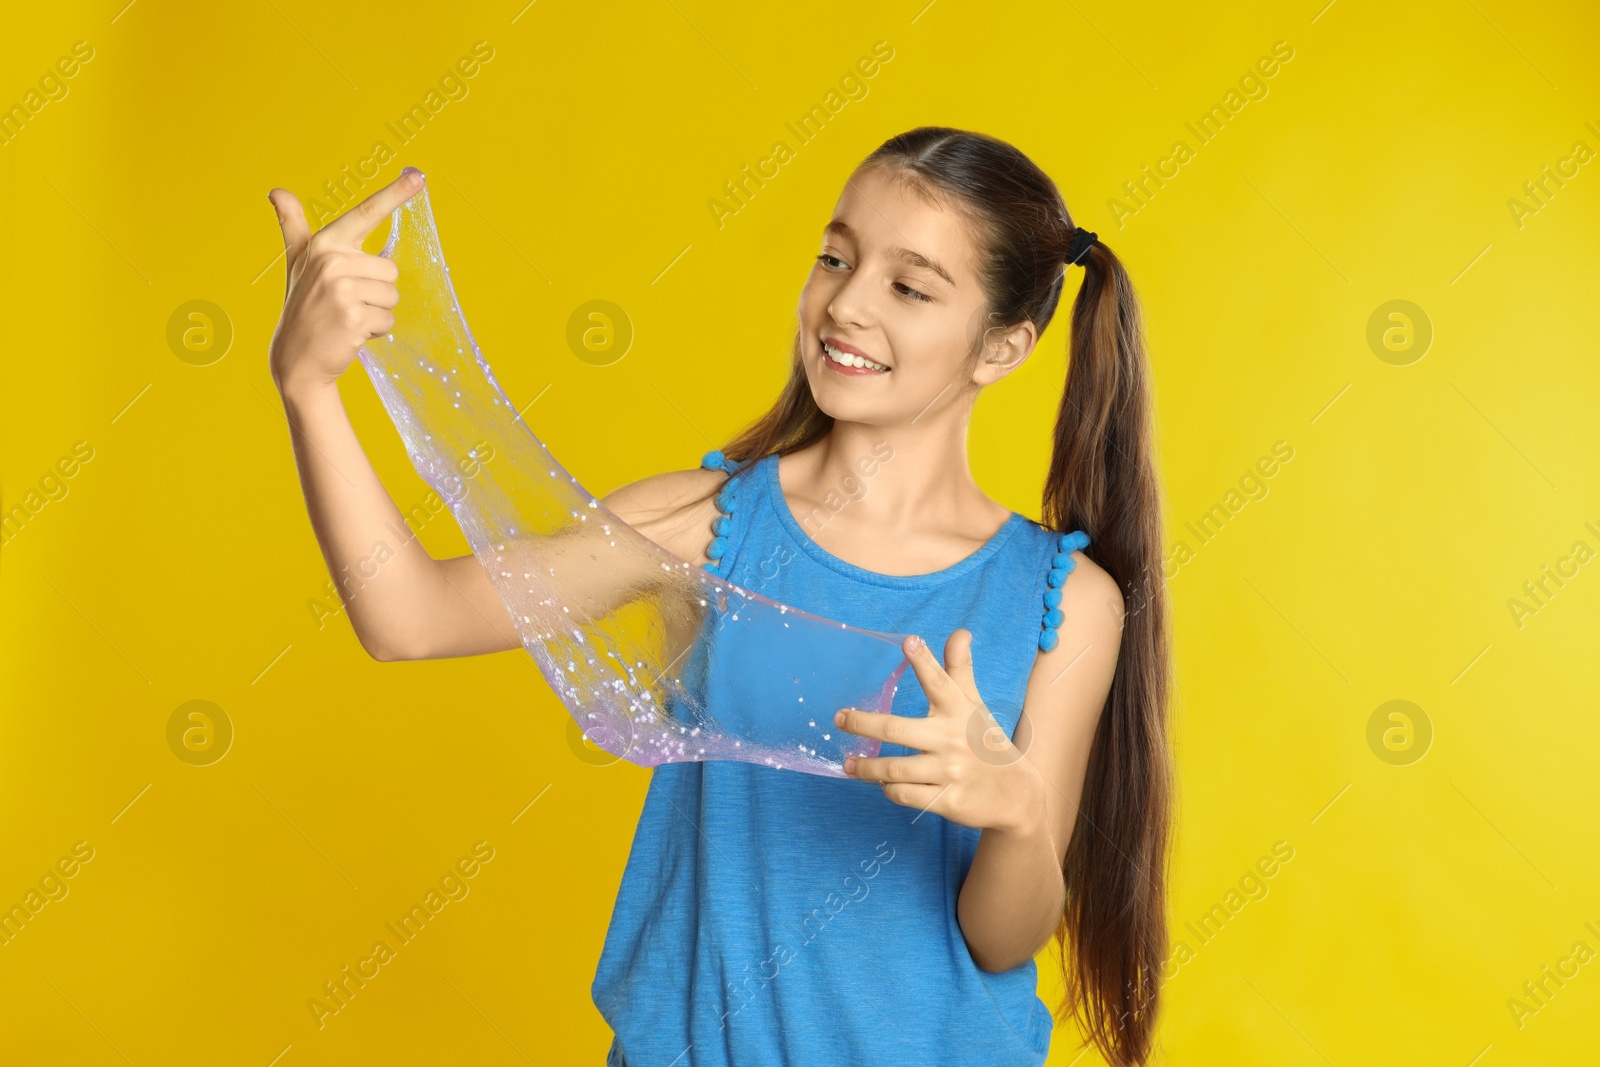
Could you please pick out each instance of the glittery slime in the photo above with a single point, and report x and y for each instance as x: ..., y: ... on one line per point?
x: 657, y: 660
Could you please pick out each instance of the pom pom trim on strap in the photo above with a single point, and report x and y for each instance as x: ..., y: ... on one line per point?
x: 727, y: 497
x: 1061, y: 566
x: 716, y: 461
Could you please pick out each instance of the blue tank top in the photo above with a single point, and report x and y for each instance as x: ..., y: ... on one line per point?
x: 770, y: 916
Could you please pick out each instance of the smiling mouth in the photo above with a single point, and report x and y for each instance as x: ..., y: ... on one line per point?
x: 848, y: 361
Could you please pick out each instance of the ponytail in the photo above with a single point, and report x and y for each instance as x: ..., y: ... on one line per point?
x: 1103, y: 479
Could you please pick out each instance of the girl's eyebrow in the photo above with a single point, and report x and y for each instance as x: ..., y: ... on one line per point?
x: 916, y: 259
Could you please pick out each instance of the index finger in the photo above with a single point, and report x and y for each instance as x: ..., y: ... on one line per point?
x: 362, y: 219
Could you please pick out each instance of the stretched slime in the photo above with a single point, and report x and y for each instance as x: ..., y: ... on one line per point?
x: 657, y: 660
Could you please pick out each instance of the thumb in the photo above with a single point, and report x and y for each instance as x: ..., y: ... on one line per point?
x: 292, y: 220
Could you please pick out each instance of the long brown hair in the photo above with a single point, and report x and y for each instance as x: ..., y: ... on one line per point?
x: 1102, y: 480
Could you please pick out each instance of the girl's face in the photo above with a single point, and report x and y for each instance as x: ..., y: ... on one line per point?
x: 896, y: 285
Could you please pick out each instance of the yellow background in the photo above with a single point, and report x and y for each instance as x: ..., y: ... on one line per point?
x: 181, y: 565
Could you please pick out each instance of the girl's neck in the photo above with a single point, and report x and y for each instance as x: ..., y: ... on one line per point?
x: 900, y: 480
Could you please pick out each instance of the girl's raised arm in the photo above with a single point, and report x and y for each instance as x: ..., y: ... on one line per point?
x: 403, y: 603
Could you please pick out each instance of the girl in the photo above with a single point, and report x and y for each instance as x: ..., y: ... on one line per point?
x: 768, y: 916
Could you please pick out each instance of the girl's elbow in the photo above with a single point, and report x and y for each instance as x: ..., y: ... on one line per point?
x: 383, y: 653
x: 987, y: 965
x: 999, y: 959
x: 384, y: 648
x: 991, y: 963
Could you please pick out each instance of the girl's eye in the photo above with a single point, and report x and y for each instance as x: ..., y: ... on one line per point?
x: 829, y: 261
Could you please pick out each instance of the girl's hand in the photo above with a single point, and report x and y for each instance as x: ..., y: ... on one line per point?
x: 967, y: 769
x: 337, y: 295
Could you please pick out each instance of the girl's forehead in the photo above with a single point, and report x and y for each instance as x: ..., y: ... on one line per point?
x: 877, y: 210
x: 875, y: 201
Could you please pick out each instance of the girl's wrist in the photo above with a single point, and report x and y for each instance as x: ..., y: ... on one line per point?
x: 302, y: 392
x: 1027, y: 815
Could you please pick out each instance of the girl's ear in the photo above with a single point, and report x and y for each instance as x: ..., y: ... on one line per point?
x: 1003, y: 352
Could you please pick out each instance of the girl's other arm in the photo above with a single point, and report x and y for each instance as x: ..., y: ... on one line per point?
x: 1012, y: 899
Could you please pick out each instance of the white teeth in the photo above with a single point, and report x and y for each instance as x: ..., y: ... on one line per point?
x: 847, y: 360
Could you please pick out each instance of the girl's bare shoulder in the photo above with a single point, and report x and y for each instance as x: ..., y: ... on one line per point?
x: 658, y: 494
x: 674, y: 509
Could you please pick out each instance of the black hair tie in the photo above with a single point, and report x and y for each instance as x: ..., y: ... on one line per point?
x: 1081, y: 240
